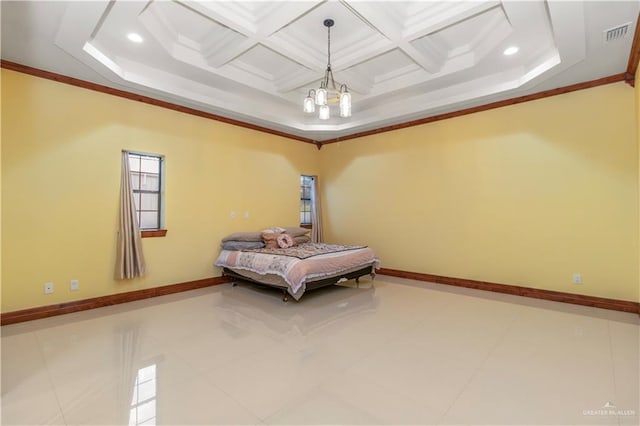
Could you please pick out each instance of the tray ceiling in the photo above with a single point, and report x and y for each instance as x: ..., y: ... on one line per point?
x: 256, y: 60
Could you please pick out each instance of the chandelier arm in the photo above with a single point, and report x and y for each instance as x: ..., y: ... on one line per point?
x: 333, y: 82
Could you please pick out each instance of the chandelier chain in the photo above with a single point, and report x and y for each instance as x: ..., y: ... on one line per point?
x: 329, y: 46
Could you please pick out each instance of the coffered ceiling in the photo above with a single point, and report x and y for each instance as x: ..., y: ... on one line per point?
x: 255, y: 61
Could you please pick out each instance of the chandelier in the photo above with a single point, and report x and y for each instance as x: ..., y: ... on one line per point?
x: 328, y: 91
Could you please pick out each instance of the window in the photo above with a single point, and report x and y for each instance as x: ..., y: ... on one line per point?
x: 147, y: 184
x: 305, y: 199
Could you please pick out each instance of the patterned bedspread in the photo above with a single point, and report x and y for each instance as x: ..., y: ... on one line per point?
x: 295, y: 271
x: 307, y: 250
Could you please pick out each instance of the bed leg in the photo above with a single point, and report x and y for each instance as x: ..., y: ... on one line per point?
x: 233, y: 284
x: 358, y: 282
x: 373, y: 275
x: 285, y: 296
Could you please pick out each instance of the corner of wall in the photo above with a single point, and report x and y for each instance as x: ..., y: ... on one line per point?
x: 637, y: 91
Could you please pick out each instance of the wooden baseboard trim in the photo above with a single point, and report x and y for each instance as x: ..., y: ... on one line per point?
x: 556, y: 296
x: 101, y: 301
x: 115, y: 299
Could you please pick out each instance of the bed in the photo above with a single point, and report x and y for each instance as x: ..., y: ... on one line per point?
x: 304, y: 267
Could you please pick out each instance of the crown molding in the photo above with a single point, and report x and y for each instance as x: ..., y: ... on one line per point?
x: 36, y: 72
x: 634, y: 57
x: 499, y: 104
x: 628, y: 77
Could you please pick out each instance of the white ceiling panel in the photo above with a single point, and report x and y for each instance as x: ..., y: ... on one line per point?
x: 255, y: 61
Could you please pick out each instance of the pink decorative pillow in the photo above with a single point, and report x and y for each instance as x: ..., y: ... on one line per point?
x: 284, y: 240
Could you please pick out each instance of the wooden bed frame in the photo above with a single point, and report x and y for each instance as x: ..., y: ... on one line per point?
x: 310, y: 285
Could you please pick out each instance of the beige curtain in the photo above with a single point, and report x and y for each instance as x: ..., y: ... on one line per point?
x: 129, y: 257
x: 316, y: 213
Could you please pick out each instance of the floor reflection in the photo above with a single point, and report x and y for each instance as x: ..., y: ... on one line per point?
x: 139, y: 377
x: 143, y: 400
x: 252, y: 307
x: 401, y: 353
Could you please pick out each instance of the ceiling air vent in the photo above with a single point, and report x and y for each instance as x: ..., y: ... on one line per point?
x: 616, y: 33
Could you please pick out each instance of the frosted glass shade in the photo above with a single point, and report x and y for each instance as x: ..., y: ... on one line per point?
x: 321, y: 96
x: 309, y: 105
x: 345, y: 104
x: 324, y: 112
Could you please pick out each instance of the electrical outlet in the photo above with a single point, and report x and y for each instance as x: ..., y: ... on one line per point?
x: 48, y: 288
x: 74, y: 285
x: 232, y: 215
x: 577, y: 278
x: 246, y: 215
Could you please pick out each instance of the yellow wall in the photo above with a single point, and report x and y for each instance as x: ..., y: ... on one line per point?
x: 526, y: 195
x: 61, y: 176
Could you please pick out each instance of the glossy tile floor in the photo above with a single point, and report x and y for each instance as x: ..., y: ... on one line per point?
x: 397, y: 352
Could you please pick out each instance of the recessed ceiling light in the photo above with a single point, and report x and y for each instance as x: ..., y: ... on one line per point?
x: 135, y: 37
x: 511, y: 50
